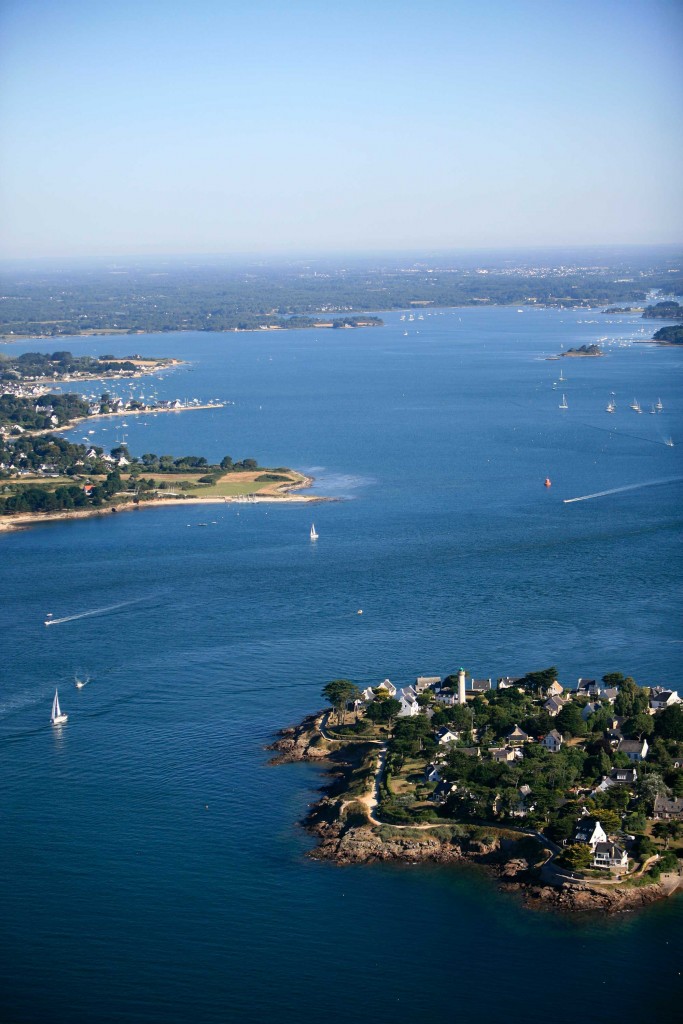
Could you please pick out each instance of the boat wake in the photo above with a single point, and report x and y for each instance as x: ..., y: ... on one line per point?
x: 93, y: 611
x: 620, y: 490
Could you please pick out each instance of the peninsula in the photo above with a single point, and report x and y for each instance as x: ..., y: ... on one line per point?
x: 45, y: 477
x: 572, y: 797
x: 36, y: 368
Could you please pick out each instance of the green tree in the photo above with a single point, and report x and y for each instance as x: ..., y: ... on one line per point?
x: 339, y: 692
x: 639, y: 726
x: 570, y: 722
x: 541, y: 680
x: 577, y: 856
x: 667, y: 830
x: 631, y: 699
x: 669, y: 722
x: 613, y: 679
x: 383, y: 711
x: 651, y: 786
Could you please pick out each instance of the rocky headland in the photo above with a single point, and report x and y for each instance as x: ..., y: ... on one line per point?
x: 348, y: 832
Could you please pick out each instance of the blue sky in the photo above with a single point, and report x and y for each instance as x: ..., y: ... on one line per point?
x: 172, y: 127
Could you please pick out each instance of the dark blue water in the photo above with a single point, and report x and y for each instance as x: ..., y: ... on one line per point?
x: 151, y: 865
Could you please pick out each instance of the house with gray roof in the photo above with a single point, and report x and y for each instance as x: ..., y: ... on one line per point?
x: 670, y: 808
x: 554, y: 705
x: 589, y: 831
x: 635, y: 750
x: 517, y: 736
x: 553, y: 741
x: 661, y: 698
x: 423, y: 683
x: 609, y: 855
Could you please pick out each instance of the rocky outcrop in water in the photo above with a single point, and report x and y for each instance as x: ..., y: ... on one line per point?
x: 300, y: 743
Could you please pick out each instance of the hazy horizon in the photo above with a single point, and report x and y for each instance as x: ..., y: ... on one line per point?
x: 171, y: 130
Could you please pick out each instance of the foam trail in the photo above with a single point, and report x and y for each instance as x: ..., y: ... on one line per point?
x: 95, y: 611
x: 619, y: 490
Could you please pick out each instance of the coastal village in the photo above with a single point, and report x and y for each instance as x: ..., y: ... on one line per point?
x: 44, y: 476
x: 591, y: 773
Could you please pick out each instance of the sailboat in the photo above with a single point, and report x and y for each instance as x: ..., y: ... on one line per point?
x: 562, y: 377
x: 669, y: 442
x: 635, y: 405
x: 314, y: 535
x: 658, y: 405
x: 653, y: 411
x: 611, y: 405
x: 57, y: 718
x: 563, y: 403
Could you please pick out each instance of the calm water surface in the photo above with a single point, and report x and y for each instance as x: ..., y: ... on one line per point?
x: 151, y: 865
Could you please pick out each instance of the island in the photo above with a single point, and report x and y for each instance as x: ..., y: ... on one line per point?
x: 581, y: 352
x: 573, y: 798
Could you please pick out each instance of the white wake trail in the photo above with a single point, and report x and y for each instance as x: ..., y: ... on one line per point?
x: 620, y: 490
x: 94, y: 611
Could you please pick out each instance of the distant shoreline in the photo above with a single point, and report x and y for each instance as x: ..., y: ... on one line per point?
x: 267, y: 329
x: 148, y: 411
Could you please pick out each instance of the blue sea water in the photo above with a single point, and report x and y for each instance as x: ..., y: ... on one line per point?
x: 151, y: 865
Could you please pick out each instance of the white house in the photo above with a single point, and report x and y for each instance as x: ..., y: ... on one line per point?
x: 506, y: 682
x: 409, y: 705
x: 590, y: 832
x: 661, y: 698
x: 481, y: 685
x: 587, y: 688
x: 523, y: 806
x: 388, y: 686
x: 609, y: 855
x: 553, y: 741
x: 445, y: 736
x: 589, y: 709
x: 635, y: 750
x: 555, y: 689
x: 432, y: 773
x: 624, y: 776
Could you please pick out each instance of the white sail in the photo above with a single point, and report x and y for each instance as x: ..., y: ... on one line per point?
x: 57, y: 716
x: 563, y: 403
x: 314, y: 535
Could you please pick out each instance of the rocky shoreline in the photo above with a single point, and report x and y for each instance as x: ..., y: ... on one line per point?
x: 347, y: 833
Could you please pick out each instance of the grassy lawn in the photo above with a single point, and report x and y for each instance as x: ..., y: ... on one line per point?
x: 403, y: 783
x: 234, y: 484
